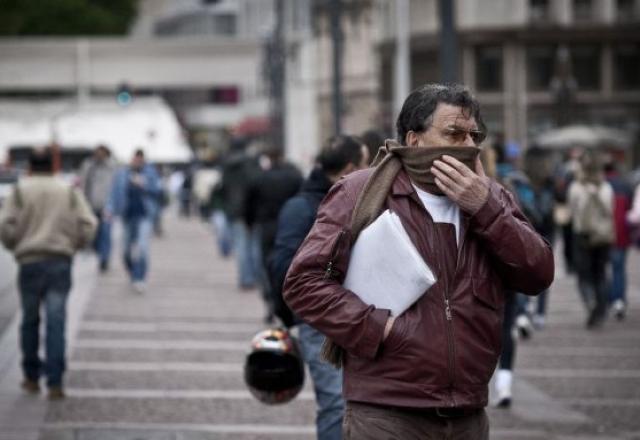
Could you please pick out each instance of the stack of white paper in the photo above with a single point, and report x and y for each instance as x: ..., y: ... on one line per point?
x: 385, y: 268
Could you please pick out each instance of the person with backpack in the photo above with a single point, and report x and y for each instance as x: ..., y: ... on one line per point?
x: 422, y: 372
x: 44, y: 221
x: 590, y: 200
x: 340, y: 156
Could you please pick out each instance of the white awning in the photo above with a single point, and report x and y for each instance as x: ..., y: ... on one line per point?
x: 147, y: 123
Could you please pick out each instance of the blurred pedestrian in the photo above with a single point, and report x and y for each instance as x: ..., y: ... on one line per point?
x: 96, y: 180
x: 535, y: 196
x: 504, y: 374
x: 44, y: 222
x: 164, y: 199
x: 134, y: 198
x: 591, y: 204
x: 622, y: 197
x: 373, y: 139
x: 238, y: 169
x: 267, y: 192
x: 534, y: 193
x: 423, y: 373
x: 339, y: 157
x: 186, y: 193
x: 563, y: 178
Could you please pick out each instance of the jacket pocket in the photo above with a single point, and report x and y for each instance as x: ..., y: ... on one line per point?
x: 395, y: 338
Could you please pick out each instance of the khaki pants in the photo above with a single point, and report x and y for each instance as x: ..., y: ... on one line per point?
x: 371, y: 422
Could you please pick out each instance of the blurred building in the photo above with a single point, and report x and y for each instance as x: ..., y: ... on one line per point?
x: 508, y: 52
x: 202, y: 57
x: 209, y: 60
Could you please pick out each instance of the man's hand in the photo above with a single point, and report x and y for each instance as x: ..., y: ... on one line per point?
x: 138, y: 180
x: 467, y: 189
x: 387, y: 327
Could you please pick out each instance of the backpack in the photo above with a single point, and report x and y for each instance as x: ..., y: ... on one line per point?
x: 597, y: 222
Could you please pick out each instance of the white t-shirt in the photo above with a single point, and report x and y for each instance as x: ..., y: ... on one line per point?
x: 441, y: 209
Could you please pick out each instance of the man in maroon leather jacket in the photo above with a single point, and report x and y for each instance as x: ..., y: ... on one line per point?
x: 425, y: 373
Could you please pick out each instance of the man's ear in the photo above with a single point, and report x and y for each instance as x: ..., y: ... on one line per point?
x: 412, y: 139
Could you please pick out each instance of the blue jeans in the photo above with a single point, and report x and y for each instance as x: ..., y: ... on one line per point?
x: 246, y: 245
x: 541, y: 303
x: 327, y: 384
x: 223, y: 232
x: 137, y: 237
x: 102, y: 242
x: 618, y: 289
x: 45, y: 282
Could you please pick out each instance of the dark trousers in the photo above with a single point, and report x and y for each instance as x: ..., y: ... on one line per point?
x: 508, y: 343
x: 45, y: 283
x: 591, y: 263
x: 371, y: 422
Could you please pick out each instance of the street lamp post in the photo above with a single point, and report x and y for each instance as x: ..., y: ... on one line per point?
x: 335, y: 14
x: 448, y: 42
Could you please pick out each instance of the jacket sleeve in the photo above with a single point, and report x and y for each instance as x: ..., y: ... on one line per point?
x: 9, y: 221
x: 86, y: 220
x: 313, y: 287
x: 523, y: 259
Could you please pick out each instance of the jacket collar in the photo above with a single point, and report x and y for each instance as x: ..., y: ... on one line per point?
x: 402, y: 185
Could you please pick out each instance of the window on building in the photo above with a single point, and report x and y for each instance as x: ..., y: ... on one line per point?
x: 626, y: 10
x: 586, y: 66
x: 539, y: 10
x: 224, y: 24
x: 489, y: 68
x: 540, y: 64
x: 626, y: 67
x: 582, y: 10
x: 228, y: 95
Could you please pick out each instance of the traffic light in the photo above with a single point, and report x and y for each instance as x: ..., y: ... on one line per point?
x: 124, y: 97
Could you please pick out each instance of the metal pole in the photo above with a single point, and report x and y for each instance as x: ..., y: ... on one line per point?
x: 278, y: 78
x: 448, y: 42
x: 335, y: 11
x: 402, y: 77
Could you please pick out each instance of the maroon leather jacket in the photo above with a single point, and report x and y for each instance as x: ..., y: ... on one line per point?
x: 443, y: 350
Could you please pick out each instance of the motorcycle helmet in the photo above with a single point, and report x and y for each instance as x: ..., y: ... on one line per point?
x: 273, y: 370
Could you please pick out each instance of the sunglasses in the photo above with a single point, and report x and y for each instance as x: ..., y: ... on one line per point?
x: 459, y: 135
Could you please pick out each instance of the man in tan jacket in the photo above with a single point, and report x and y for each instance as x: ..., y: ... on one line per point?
x: 44, y: 222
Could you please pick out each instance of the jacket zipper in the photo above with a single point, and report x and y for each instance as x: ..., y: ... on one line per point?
x: 449, y: 324
x: 328, y: 272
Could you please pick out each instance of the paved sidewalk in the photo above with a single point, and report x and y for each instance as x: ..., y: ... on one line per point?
x: 167, y: 364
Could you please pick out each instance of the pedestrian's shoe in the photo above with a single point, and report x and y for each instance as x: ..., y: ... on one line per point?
x: 503, y: 388
x: 138, y: 287
x: 538, y: 322
x: 104, y: 267
x: 56, y: 393
x: 595, y: 319
x: 523, y: 324
x: 619, y: 309
x: 30, y: 386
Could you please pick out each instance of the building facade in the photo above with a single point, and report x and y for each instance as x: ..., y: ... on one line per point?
x: 510, y: 53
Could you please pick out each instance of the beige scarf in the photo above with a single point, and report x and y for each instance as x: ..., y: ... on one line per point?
x: 391, y: 157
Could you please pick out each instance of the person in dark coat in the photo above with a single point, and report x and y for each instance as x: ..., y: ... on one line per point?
x: 237, y: 170
x: 340, y: 156
x: 267, y: 191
